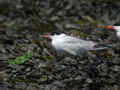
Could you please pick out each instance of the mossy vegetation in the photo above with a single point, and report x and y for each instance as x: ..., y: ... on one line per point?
x: 22, y: 59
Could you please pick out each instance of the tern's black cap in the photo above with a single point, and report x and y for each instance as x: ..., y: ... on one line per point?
x: 56, y: 33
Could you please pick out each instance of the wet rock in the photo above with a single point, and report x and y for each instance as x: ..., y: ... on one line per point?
x: 22, y: 23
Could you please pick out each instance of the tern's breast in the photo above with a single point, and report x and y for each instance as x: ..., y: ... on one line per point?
x: 57, y: 44
x: 118, y: 35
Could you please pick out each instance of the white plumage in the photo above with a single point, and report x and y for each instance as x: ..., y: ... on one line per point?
x: 72, y: 45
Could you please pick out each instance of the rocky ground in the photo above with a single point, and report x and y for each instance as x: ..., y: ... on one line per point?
x: 22, y: 24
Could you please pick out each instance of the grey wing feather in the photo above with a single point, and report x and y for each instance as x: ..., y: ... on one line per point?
x: 68, y: 50
x: 79, y: 43
x: 74, y: 49
x: 74, y: 45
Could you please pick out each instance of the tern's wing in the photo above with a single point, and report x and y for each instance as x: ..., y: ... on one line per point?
x: 69, y: 50
x: 78, y: 43
x: 73, y: 48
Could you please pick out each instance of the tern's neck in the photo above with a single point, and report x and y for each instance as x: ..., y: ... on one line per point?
x: 117, y: 28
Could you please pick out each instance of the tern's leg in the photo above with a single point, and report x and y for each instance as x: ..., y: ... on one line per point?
x: 59, y: 56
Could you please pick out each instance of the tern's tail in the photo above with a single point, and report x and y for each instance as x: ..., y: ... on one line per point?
x: 102, y: 46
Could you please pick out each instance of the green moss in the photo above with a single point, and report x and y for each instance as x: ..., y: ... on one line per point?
x: 22, y: 59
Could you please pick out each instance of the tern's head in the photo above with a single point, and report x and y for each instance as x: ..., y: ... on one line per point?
x: 110, y: 27
x: 54, y: 35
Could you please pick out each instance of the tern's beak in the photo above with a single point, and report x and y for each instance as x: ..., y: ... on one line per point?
x: 109, y: 27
